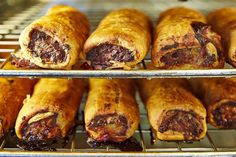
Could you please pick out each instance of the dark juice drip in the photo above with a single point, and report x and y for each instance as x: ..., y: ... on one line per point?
x: 128, y: 145
x: 37, y: 146
x: 49, y: 145
x: 153, y: 139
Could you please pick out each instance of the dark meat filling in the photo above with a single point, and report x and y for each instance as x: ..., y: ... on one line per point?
x: 102, y: 55
x: 186, y: 122
x: 187, y: 56
x: 225, y: 115
x: 178, y: 57
x: 200, y: 30
x: 20, y: 62
x: 47, y: 48
x: 41, y: 130
x: 110, y: 127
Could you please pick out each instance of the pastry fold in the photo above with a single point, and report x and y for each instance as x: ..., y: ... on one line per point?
x: 218, y: 96
x: 13, y: 92
x: 50, y: 112
x: 111, y: 112
x: 223, y: 21
x: 173, y: 111
x: 54, y: 41
x: 183, y: 40
x: 121, y: 40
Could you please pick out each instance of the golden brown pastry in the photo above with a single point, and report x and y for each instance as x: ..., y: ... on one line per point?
x: 111, y: 112
x: 223, y: 21
x: 183, y: 40
x: 50, y: 112
x: 121, y: 40
x: 173, y: 112
x: 53, y: 41
x: 13, y: 92
x: 219, y: 98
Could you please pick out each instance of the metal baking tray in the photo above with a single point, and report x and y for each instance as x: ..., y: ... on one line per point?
x: 11, y: 26
x: 216, y: 142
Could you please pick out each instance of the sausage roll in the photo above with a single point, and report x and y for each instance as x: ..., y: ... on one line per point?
x: 13, y: 92
x: 50, y: 112
x: 55, y: 40
x: 111, y: 112
x: 173, y: 111
x: 223, y: 21
x: 218, y: 95
x: 183, y: 40
x: 121, y: 40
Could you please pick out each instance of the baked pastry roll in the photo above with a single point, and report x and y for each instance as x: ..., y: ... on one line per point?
x: 55, y: 40
x: 111, y: 112
x: 183, y: 40
x: 173, y: 111
x: 121, y: 40
x: 218, y: 96
x: 13, y: 92
x: 223, y: 21
x: 50, y: 112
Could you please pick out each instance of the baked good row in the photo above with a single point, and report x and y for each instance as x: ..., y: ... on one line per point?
x: 177, y: 109
x: 183, y: 38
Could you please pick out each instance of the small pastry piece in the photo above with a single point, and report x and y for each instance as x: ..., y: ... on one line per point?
x: 111, y: 112
x: 173, y: 111
x: 13, y: 92
x: 183, y: 40
x: 54, y: 41
x: 223, y: 21
x: 218, y: 95
x: 50, y: 112
x: 121, y: 40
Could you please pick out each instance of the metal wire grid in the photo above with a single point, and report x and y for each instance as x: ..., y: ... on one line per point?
x: 10, y: 29
x: 215, y: 142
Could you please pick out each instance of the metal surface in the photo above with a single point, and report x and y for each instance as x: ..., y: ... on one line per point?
x: 11, y: 27
x: 216, y: 142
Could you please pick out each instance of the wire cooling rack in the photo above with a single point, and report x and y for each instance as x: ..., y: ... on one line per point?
x: 216, y: 142
x: 11, y: 27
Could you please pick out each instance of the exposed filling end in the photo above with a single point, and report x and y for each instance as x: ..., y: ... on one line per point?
x: 20, y: 62
x: 47, y: 48
x: 186, y: 122
x: 200, y: 30
x: 205, y: 54
x: 209, y: 41
x: 109, y: 127
x: 102, y: 56
x: 41, y: 130
x: 225, y: 115
x: 187, y: 56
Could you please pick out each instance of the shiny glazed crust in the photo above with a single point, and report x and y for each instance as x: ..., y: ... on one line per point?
x: 111, y: 97
x: 13, y: 92
x: 163, y: 95
x: 51, y: 97
x: 64, y: 24
x: 223, y: 21
x: 128, y: 28
x: 182, y: 30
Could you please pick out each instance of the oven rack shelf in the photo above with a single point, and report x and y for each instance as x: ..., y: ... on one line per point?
x: 216, y: 142
x: 10, y: 28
